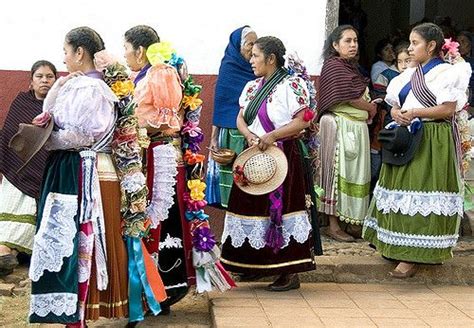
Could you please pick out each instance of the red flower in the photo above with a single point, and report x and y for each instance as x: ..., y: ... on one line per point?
x: 308, y: 115
x: 239, y: 176
x: 294, y: 85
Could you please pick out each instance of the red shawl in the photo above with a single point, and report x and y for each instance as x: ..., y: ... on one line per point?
x: 340, y: 81
x: 23, y: 109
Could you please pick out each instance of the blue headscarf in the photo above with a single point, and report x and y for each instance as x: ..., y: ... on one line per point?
x: 234, y: 73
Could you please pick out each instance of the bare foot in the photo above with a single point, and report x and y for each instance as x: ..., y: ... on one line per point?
x: 4, y: 250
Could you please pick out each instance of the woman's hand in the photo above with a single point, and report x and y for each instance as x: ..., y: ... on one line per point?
x: 252, y: 139
x: 266, y: 141
x: 408, y: 114
x: 214, y: 144
x: 72, y: 75
x: 372, y: 110
x: 42, y: 119
x: 400, y: 117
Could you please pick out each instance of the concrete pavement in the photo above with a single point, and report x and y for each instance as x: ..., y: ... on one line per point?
x: 345, y: 305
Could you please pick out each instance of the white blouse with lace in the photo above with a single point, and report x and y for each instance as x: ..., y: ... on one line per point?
x: 83, y: 110
x: 447, y: 82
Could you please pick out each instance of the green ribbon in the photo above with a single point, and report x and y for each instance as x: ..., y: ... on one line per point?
x: 353, y: 189
x: 252, y: 109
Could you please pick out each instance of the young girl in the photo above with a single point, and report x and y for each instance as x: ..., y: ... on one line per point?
x: 415, y: 212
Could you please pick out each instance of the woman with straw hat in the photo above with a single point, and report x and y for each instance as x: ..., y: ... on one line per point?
x: 268, y: 226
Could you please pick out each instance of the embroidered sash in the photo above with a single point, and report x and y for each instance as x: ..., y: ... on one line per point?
x: 262, y: 94
x: 418, y: 85
x: 274, y: 234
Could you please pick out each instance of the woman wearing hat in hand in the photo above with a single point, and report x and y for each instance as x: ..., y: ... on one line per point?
x: 417, y: 205
x: 79, y: 261
x: 344, y: 109
x: 235, y: 71
x: 267, y: 227
x: 19, y: 190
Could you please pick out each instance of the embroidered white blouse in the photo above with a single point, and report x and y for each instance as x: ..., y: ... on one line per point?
x: 447, y: 82
x: 287, y: 99
x: 83, y: 110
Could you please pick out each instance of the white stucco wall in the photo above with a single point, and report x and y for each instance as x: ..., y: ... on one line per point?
x: 199, y: 30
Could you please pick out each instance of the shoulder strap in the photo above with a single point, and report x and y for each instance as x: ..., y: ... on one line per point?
x: 254, y: 105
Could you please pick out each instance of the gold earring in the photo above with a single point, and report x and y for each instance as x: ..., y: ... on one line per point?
x: 79, y: 63
x: 139, y: 61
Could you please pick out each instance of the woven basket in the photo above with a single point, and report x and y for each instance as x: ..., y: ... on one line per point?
x: 260, y: 168
x: 223, y: 156
x: 264, y: 171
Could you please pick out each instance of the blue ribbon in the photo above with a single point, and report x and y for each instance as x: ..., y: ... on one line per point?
x: 402, y: 96
x: 414, y: 126
x: 138, y: 282
x: 190, y: 215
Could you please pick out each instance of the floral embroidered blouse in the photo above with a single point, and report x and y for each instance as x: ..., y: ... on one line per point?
x: 286, y: 100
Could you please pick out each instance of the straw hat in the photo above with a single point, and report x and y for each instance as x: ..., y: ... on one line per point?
x: 222, y: 156
x: 257, y: 172
x: 29, y: 140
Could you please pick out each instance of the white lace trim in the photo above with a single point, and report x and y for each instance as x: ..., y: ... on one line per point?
x: 410, y: 240
x: 57, y: 303
x: 413, y: 202
x: 253, y: 229
x: 54, y: 240
x: 164, y: 180
x: 86, y: 245
x: 133, y: 182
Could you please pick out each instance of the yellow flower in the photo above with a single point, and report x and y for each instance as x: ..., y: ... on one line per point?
x: 123, y: 88
x: 193, y: 102
x: 159, y: 52
x: 196, y: 188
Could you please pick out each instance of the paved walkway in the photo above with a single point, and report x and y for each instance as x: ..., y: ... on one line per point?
x: 345, y: 305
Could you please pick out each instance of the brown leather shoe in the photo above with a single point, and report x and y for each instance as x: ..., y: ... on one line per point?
x: 293, y: 282
x: 402, y: 275
x: 340, y: 236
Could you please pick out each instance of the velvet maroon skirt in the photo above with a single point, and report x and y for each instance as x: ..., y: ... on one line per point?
x: 248, y: 217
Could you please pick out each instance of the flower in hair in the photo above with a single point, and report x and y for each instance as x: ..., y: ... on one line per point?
x: 160, y: 52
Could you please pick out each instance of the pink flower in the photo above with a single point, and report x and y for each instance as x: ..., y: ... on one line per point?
x: 102, y: 59
x: 192, y: 128
x: 451, y: 46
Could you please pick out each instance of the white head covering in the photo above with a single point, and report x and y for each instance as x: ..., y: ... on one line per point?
x: 245, y: 31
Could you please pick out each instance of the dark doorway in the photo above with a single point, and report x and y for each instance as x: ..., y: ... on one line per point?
x: 378, y: 19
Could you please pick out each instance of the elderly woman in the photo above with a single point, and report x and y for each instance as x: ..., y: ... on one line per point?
x: 415, y: 212
x: 234, y: 73
x: 344, y: 109
x: 19, y: 190
x: 275, y: 234
x: 79, y: 260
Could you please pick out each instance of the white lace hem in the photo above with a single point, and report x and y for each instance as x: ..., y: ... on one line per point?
x: 164, y: 180
x: 57, y: 303
x: 54, y: 240
x: 410, y: 240
x: 413, y: 202
x: 253, y: 229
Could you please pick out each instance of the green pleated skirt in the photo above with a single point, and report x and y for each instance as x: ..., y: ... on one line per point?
x: 231, y: 139
x: 415, y: 213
